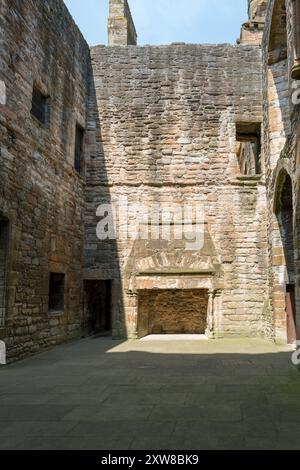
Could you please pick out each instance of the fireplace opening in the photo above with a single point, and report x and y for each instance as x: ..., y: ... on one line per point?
x: 172, y: 312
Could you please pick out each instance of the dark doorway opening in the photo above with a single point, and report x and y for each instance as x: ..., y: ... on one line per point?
x: 4, y: 237
x: 97, y: 306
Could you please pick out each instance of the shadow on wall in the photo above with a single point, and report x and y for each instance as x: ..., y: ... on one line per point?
x: 285, y: 219
x: 103, y: 299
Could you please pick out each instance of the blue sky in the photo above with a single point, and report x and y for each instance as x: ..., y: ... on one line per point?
x: 166, y: 21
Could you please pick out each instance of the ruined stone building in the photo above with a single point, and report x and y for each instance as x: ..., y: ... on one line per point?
x: 216, y: 125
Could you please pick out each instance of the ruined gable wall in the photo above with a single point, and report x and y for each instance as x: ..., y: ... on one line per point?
x: 167, y: 133
x: 40, y: 192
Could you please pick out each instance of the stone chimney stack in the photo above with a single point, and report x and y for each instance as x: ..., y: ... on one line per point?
x: 121, y: 29
x: 253, y: 30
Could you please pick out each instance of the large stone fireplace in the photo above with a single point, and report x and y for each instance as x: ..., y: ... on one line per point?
x: 175, y: 290
x: 172, y: 312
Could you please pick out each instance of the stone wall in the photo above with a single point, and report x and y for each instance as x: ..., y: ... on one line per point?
x: 280, y: 142
x: 40, y: 192
x: 167, y: 134
x: 162, y: 126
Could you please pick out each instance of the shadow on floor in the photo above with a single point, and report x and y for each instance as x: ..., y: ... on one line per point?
x: 103, y: 394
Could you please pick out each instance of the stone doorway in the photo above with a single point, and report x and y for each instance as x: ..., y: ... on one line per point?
x: 97, y: 306
x: 172, y: 312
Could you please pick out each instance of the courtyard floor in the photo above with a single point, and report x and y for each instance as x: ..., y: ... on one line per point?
x: 153, y: 394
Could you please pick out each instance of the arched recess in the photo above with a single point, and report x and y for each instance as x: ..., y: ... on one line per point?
x: 284, y: 260
x: 4, y: 246
x: 278, y: 82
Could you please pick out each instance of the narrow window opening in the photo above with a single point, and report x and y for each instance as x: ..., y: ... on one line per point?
x: 79, y: 149
x: 40, y: 106
x: 248, y: 137
x: 56, y: 293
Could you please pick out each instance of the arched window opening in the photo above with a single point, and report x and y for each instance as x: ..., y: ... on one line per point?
x: 285, y: 220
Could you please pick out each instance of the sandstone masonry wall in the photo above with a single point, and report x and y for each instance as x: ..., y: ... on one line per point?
x: 167, y: 133
x: 160, y: 127
x: 40, y: 192
x: 281, y: 151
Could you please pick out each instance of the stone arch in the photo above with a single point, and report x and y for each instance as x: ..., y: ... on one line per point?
x: 283, y: 256
x: 278, y: 81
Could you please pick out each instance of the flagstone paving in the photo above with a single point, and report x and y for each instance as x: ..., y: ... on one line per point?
x: 157, y: 394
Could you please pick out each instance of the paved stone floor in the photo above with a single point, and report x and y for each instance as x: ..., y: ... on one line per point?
x: 102, y: 394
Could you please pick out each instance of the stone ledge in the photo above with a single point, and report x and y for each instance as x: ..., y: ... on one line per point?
x: 247, y: 180
x: 178, y: 272
x: 56, y: 313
